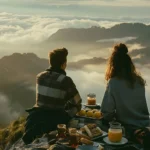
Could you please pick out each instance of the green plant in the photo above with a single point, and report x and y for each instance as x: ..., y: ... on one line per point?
x: 12, y: 133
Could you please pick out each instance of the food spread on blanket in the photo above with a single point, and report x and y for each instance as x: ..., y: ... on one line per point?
x: 90, y: 113
x: 91, y: 130
x: 83, y: 136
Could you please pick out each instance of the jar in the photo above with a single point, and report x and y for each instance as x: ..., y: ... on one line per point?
x: 91, y: 99
x: 115, y: 132
x: 73, y: 137
x: 61, y: 130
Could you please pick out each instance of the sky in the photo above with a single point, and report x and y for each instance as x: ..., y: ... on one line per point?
x: 86, y: 8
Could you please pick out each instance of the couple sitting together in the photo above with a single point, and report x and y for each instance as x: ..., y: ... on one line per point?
x: 58, y: 100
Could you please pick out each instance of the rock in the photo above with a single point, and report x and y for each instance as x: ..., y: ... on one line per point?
x: 39, y: 149
x: 56, y: 147
x: 53, y: 141
x: 38, y: 144
x: 60, y: 147
x: 36, y: 141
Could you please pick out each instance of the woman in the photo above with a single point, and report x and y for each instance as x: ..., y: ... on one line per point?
x: 124, y: 98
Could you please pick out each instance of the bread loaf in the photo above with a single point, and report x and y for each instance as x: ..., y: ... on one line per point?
x: 88, y: 131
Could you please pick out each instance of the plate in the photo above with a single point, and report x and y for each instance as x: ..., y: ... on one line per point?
x: 87, y: 147
x: 89, y: 117
x: 100, y: 136
x: 91, y: 106
x: 122, y: 142
x: 97, y: 137
x: 63, y: 142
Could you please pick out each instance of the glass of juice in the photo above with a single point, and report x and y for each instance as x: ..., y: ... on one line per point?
x: 115, y: 132
x: 73, y: 137
x: 91, y: 99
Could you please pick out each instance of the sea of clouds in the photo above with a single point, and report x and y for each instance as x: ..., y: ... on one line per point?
x: 31, y: 29
x: 93, y: 81
x: 6, y: 112
x: 35, y: 28
x: 15, y: 28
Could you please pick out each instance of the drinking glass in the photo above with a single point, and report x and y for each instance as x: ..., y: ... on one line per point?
x: 73, y: 137
x: 91, y: 99
x: 115, y: 132
x: 61, y: 130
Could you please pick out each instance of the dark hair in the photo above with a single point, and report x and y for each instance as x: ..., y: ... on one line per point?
x: 58, y: 57
x: 120, y: 65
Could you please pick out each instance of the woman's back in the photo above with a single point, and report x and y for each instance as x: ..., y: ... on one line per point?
x: 131, y: 107
x: 125, y: 94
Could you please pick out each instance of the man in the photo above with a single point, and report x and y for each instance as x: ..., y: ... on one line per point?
x: 57, y: 99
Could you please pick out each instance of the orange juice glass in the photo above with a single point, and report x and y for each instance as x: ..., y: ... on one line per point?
x: 91, y: 99
x: 73, y: 137
x: 115, y: 132
x: 61, y: 130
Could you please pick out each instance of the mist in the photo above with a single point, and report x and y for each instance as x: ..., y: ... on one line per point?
x: 94, y: 82
x: 29, y: 34
x: 7, y: 114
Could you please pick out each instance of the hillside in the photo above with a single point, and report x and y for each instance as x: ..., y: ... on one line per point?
x: 96, y: 33
x: 17, y: 82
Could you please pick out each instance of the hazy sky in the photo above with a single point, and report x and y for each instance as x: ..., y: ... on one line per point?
x: 86, y: 8
x: 30, y: 22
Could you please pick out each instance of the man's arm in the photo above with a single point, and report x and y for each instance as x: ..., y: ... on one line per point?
x: 73, y: 99
x: 108, y: 107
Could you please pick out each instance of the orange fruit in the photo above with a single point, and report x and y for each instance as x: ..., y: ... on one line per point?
x: 82, y: 112
x: 97, y: 115
x: 89, y: 113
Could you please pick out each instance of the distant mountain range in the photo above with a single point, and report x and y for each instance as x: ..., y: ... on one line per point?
x: 93, y: 34
x: 18, y: 71
x: 84, y: 40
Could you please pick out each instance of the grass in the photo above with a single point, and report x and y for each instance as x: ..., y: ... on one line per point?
x: 12, y: 133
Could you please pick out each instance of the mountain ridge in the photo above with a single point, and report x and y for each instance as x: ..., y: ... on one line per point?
x: 97, y: 33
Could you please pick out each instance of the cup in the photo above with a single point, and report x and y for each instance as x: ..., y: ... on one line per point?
x: 73, y: 137
x: 115, y: 132
x: 91, y: 99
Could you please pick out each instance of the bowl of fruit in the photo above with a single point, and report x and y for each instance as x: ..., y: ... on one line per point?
x: 90, y: 113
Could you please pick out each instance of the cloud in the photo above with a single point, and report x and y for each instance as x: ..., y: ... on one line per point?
x: 94, y: 82
x: 117, y: 40
x: 91, y: 82
x: 91, y: 53
x: 87, y: 60
x: 135, y: 46
x: 81, y: 64
x: 97, y: 2
x: 74, y: 2
x: 6, y: 112
x: 33, y: 29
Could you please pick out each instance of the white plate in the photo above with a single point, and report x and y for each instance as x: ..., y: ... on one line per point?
x: 91, y: 105
x: 95, y: 146
x: 97, y: 137
x: 122, y: 142
x: 100, y: 136
x: 85, y: 117
x: 86, y: 147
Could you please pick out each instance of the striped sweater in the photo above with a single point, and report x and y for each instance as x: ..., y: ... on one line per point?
x: 56, y: 91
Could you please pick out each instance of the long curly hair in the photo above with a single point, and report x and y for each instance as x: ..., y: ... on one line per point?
x: 120, y: 65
